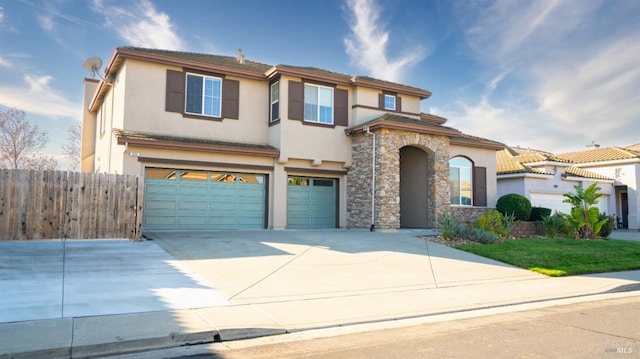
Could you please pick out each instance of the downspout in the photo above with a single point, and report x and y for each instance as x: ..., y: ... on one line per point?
x: 373, y: 177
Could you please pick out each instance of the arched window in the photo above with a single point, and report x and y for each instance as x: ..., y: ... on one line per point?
x: 460, y: 179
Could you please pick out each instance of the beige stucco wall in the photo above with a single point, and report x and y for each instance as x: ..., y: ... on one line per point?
x: 482, y: 158
x: 313, y: 143
x: 368, y: 97
x: 145, y: 108
x: 88, y: 134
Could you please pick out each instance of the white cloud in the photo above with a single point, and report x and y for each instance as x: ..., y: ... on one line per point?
x: 366, y: 45
x: 39, y: 98
x: 5, y: 63
x: 141, y: 25
x: 575, y: 64
x: 46, y: 23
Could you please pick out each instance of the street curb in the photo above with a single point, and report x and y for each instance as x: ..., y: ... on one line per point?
x: 138, y: 345
x: 174, y: 340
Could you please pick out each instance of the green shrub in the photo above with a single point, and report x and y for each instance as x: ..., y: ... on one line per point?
x: 448, y: 225
x: 515, y: 204
x: 481, y: 235
x: 507, y: 222
x: 608, y: 227
x: 552, y: 225
x: 492, y: 222
x: 538, y: 213
x: 585, y: 216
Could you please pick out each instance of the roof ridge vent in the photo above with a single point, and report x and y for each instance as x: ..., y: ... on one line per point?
x: 240, y: 58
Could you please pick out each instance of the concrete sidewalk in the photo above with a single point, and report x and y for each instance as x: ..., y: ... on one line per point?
x: 198, y: 287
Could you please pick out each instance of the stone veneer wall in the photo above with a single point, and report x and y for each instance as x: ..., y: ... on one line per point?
x: 467, y: 215
x: 387, y: 191
x: 526, y: 229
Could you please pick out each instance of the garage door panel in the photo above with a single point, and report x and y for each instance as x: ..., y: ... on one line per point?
x: 159, y: 205
x: 156, y: 188
x: 227, y: 220
x: 193, y: 191
x: 159, y: 220
x: 192, y: 220
x: 187, y: 205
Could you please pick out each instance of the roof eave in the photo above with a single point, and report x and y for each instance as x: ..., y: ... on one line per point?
x: 302, y: 73
x: 392, y: 125
x: 477, y: 144
x: 422, y: 94
x: 208, y: 147
x: 523, y: 175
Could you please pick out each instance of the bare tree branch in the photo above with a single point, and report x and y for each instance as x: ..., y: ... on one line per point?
x: 21, y: 143
x: 71, y: 148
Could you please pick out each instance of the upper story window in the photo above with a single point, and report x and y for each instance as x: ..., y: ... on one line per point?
x: 389, y: 102
x: 274, y: 110
x: 460, y: 179
x: 318, y: 104
x: 203, y: 95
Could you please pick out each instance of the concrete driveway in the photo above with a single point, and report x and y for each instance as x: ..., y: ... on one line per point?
x: 96, y: 298
x: 275, y: 266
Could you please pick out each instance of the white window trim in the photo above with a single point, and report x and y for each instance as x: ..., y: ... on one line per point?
x: 273, y: 102
x: 394, y: 102
x: 318, y: 102
x: 186, y: 94
x: 460, y: 181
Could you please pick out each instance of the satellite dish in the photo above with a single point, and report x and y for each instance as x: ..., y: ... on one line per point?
x: 92, y: 64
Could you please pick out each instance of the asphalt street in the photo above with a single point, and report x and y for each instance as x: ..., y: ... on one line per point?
x: 602, y: 329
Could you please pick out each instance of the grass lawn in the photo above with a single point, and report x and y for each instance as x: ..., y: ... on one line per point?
x: 560, y: 257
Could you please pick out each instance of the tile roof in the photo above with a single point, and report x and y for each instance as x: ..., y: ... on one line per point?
x: 263, y: 70
x: 508, y: 163
x: 580, y: 172
x: 465, y: 139
x: 527, y: 155
x: 226, y: 61
x: 599, y: 155
x: 514, y: 160
x: 398, y: 122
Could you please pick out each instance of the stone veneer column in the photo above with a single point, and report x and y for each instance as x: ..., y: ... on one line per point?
x: 387, y: 192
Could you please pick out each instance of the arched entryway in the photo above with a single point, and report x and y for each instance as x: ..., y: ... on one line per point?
x: 414, y: 188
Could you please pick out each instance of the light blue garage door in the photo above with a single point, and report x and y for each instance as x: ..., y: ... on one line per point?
x: 311, y: 202
x: 185, y: 199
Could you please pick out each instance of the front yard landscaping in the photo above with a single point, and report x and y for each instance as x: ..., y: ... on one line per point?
x: 560, y: 256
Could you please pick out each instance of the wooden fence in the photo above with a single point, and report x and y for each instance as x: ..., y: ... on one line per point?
x: 48, y: 205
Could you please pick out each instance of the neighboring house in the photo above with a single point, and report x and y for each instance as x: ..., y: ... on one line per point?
x: 544, y: 178
x: 224, y: 142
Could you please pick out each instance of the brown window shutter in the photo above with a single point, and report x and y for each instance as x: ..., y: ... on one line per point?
x: 341, y: 107
x: 230, y: 99
x: 398, y: 104
x: 296, y: 100
x: 479, y: 186
x: 174, y: 101
x: 381, y: 101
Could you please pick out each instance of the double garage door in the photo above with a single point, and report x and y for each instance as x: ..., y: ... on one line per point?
x: 186, y: 199
x: 192, y: 199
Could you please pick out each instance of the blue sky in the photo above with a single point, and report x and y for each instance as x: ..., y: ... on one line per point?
x: 550, y: 75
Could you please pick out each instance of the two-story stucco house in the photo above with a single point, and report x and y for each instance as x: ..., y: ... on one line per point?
x: 544, y: 177
x: 224, y: 142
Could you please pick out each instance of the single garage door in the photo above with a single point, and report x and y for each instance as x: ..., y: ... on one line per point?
x: 552, y: 201
x: 311, y: 202
x: 555, y: 202
x: 186, y: 199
